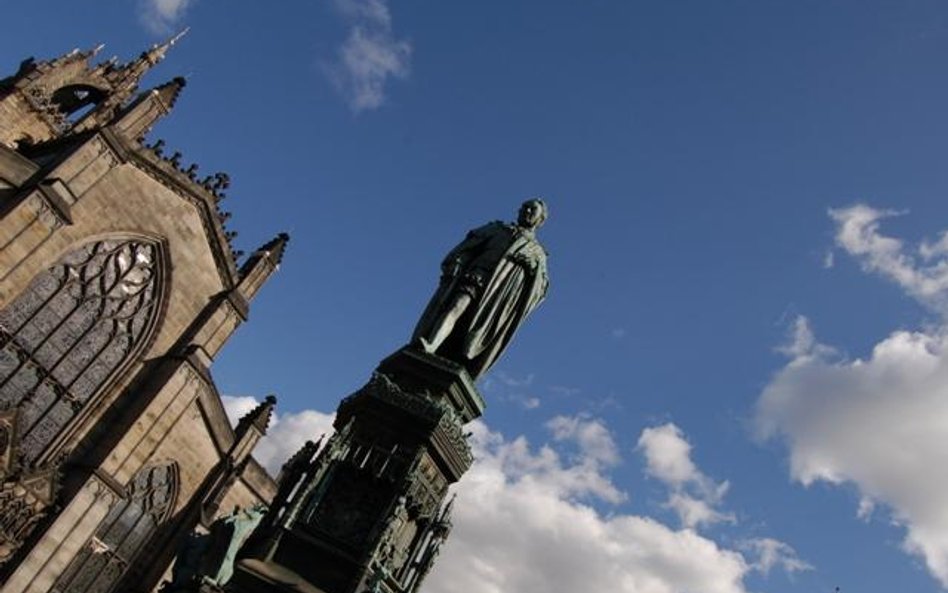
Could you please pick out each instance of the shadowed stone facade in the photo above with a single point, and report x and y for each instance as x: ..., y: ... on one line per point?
x: 118, y: 287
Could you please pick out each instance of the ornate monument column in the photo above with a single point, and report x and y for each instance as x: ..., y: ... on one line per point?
x: 367, y: 511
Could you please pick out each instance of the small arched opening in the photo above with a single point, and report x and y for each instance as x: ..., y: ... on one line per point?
x: 76, y: 100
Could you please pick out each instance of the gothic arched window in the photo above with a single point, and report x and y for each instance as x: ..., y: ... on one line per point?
x: 129, y: 524
x: 71, y: 331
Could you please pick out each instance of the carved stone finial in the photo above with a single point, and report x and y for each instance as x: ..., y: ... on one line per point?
x: 259, y: 417
x: 171, y: 90
x: 158, y: 51
x: 275, y: 247
x: 221, y: 180
x: 272, y: 250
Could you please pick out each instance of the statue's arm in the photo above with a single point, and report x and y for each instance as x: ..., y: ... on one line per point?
x: 457, y: 257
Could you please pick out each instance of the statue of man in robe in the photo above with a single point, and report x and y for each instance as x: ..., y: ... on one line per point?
x: 489, y: 284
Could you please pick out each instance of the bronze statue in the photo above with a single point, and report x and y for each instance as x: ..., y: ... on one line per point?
x: 490, y: 282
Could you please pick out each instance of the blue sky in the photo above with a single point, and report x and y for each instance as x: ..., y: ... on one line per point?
x: 739, y: 381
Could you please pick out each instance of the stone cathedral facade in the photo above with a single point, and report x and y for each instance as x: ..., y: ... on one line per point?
x: 118, y: 286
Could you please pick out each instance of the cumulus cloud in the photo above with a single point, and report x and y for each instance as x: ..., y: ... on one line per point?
x: 594, y: 440
x: 879, y: 422
x: 370, y: 55
x: 161, y: 16
x: 525, y: 521
x: 286, y: 433
x: 693, y: 496
x: 528, y: 519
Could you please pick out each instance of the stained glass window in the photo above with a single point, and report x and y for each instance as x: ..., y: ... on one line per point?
x: 71, y: 331
x: 129, y: 524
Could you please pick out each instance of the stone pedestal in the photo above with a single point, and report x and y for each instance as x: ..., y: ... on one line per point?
x: 367, y: 512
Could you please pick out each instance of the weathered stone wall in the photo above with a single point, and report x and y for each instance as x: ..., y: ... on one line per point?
x: 112, y: 198
x: 179, y: 417
x: 18, y: 121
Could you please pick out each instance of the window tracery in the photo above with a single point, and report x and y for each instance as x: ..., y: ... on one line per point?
x: 70, y: 331
x: 125, y: 530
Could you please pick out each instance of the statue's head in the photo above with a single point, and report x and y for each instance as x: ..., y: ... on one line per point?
x: 532, y: 214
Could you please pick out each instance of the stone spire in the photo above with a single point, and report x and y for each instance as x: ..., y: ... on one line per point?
x: 261, y: 265
x: 140, y: 116
x: 258, y: 418
x: 157, y: 52
x: 272, y: 250
x: 169, y: 91
x: 123, y: 82
x: 48, y: 99
x: 130, y: 75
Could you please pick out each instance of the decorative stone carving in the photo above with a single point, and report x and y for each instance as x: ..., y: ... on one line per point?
x: 382, y: 387
x: 25, y: 499
x: 427, y: 554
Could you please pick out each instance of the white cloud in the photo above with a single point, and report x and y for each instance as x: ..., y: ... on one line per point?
x: 693, y: 496
x: 370, y: 55
x: 512, y: 381
x: 526, y: 518
x: 696, y: 512
x: 161, y: 16
x: 668, y: 455
x: 374, y: 11
x: 524, y: 523
x: 801, y: 344
x: 504, y: 387
x: 866, y: 507
x: 879, y: 422
x: 773, y: 553
x: 939, y: 248
x: 594, y: 440
x: 926, y: 280
x: 286, y: 433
